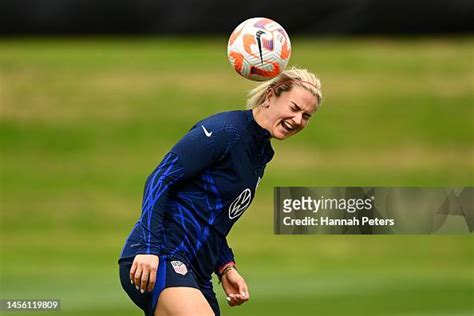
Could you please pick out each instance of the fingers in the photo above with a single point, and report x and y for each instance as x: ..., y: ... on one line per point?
x: 244, y: 291
x: 231, y: 299
x: 144, y: 280
x: 239, y: 298
x: 151, y: 280
x: 137, y: 277
x: 133, y: 269
x: 143, y: 272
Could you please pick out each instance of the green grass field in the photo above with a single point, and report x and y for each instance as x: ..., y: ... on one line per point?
x: 83, y: 122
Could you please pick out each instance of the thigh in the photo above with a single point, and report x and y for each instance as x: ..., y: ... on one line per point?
x: 211, y: 298
x: 182, y: 301
x: 141, y: 300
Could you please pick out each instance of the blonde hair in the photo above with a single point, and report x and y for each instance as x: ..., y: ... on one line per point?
x: 285, y: 82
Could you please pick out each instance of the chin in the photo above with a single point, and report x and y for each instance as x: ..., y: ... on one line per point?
x: 280, y: 136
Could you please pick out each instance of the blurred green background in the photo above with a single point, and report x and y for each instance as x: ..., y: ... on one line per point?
x: 83, y: 123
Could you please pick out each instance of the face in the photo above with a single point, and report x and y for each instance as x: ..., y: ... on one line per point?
x: 289, y: 113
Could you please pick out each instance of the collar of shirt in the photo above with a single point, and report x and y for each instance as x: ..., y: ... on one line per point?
x: 261, y: 139
x: 258, y: 132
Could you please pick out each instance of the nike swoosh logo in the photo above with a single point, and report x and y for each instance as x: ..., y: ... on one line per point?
x: 208, y: 134
x: 259, y: 33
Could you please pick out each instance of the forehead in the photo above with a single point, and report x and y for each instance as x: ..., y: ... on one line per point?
x: 302, y: 97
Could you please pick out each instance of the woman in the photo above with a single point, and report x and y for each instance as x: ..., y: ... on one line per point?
x: 199, y: 190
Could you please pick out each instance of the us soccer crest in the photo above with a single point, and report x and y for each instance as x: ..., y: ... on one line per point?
x: 179, y: 267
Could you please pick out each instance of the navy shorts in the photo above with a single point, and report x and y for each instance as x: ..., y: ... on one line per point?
x: 171, y: 273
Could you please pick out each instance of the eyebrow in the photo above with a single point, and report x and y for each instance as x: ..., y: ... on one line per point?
x: 299, y: 108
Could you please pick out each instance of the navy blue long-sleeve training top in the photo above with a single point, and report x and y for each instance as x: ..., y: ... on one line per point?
x: 199, y: 190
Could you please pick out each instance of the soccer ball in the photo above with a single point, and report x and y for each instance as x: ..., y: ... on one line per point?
x: 259, y: 49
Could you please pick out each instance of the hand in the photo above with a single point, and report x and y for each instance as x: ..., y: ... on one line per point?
x: 235, y: 287
x: 143, y: 272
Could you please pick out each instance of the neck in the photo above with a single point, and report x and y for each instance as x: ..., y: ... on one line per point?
x: 260, y: 118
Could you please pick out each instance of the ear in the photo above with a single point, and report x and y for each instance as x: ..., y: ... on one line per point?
x: 268, y: 97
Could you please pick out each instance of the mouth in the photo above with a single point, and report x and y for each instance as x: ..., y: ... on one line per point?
x: 288, y: 126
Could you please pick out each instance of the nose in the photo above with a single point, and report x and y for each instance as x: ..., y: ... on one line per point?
x: 298, y: 119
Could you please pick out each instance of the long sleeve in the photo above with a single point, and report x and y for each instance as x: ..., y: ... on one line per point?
x: 196, y: 151
x: 225, y: 256
x: 157, y: 186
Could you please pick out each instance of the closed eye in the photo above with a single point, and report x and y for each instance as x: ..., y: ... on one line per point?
x: 296, y: 108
